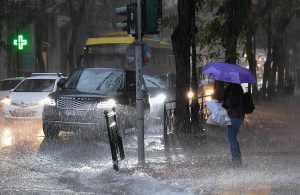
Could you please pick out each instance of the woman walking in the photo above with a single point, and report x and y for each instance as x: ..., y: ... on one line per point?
x: 233, y: 102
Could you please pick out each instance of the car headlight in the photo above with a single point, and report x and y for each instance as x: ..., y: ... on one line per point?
x: 47, y: 101
x: 161, y: 98
x: 6, y: 100
x: 209, y: 92
x: 107, y: 104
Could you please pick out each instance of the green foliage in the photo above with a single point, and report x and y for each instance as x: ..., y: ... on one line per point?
x: 20, y: 13
x: 282, y: 13
x: 226, y: 25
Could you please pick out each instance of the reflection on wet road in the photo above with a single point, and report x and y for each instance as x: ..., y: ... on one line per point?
x: 79, y: 163
x: 33, y: 164
x: 6, y: 138
x: 255, y: 190
x: 20, y: 132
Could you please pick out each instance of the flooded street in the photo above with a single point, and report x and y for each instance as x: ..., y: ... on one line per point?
x: 77, y: 164
x: 75, y: 72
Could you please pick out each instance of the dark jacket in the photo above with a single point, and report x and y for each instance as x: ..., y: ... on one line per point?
x: 234, y: 101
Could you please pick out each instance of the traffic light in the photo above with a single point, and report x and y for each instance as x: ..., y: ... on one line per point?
x: 128, y: 25
x: 151, y: 16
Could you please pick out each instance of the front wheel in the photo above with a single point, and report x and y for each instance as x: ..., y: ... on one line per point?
x: 50, y: 130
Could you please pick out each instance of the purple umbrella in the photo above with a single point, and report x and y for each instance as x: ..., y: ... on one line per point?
x: 228, y: 73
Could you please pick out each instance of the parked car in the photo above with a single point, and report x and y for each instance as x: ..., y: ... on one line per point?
x: 158, y: 93
x: 6, y: 85
x: 81, y: 102
x: 26, y: 101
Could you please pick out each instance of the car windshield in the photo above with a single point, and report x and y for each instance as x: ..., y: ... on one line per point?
x: 36, y: 85
x: 154, y: 82
x: 102, y: 81
x: 8, y: 84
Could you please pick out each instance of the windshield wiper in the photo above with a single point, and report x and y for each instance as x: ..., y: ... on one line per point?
x: 153, y: 83
x: 100, y: 85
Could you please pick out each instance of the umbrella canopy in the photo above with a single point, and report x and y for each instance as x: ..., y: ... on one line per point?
x: 231, y: 73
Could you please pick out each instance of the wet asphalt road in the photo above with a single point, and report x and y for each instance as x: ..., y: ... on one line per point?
x: 32, y: 164
x: 76, y: 164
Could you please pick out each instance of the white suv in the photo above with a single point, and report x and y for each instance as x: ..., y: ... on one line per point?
x: 27, y: 100
x: 6, y: 85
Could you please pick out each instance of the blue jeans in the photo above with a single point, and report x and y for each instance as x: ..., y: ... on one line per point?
x: 233, y: 130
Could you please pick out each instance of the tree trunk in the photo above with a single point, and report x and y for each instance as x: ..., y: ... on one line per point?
x: 76, y: 18
x: 194, y: 85
x: 181, y: 40
x: 250, y: 48
x: 282, y: 64
x: 274, y: 68
x: 38, y: 26
x: 267, y: 64
x: 234, y: 14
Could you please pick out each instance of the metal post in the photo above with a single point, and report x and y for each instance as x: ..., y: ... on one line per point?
x: 202, y: 106
x: 165, y: 120
x: 139, y: 85
x: 18, y: 58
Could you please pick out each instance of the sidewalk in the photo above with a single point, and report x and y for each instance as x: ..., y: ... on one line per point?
x: 270, y: 146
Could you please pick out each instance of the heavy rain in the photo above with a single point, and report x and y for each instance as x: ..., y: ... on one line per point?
x: 185, y: 97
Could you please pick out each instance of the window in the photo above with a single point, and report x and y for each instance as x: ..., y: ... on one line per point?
x: 8, y: 84
x: 36, y: 85
x: 96, y: 80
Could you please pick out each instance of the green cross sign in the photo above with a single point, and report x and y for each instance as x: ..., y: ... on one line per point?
x: 20, y: 42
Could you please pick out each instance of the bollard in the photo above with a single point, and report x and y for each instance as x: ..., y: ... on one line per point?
x: 115, y: 140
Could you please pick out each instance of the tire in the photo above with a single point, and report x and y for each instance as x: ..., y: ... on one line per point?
x: 50, y: 130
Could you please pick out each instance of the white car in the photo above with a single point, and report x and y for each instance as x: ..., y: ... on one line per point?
x: 159, y: 93
x: 6, y: 85
x: 27, y: 100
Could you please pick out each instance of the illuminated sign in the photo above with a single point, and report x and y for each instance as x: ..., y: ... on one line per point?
x: 20, y: 42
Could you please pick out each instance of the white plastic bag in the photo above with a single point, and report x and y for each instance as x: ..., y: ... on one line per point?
x: 219, y: 115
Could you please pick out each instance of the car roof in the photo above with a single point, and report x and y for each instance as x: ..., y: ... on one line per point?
x: 45, y: 77
x: 106, y: 68
x: 41, y: 77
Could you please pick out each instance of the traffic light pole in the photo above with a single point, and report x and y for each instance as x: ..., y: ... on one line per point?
x: 139, y: 86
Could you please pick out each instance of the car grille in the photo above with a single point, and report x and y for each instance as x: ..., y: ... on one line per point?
x: 23, y: 114
x: 75, y: 104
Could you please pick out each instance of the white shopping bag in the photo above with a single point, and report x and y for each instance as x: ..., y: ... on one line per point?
x: 219, y: 115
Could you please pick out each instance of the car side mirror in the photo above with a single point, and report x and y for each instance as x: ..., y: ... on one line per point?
x: 60, y: 84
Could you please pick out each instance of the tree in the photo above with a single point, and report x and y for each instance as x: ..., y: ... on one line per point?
x: 75, y: 11
x: 227, y: 26
x: 40, y: 31
x: 250, y: 44
x: 283, y: 14
x: 3, y: 10
x: 280, y: 14
x: 224, y: 29
x: 194, y: 81
x: 18, y: 14
x: 181, y: 40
